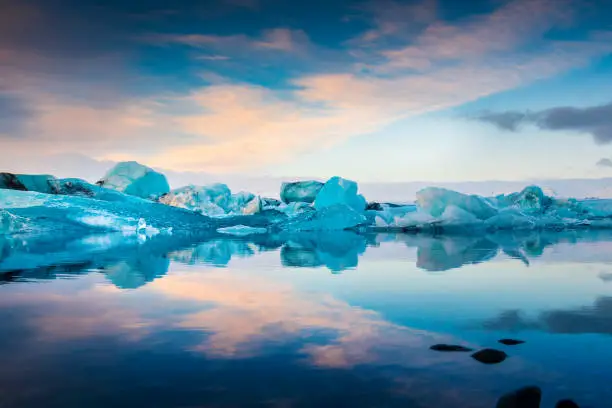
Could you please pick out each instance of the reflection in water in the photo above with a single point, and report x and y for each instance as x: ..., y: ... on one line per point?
x: 587, y: 319
x: 130, y: 263
x: 189, y: 333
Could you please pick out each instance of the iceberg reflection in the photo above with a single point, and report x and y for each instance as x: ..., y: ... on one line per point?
x: 130, y: 263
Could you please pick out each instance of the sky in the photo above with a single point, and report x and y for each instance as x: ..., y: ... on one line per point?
x: 385, y: 90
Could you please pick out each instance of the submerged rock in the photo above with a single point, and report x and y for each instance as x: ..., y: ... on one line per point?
x: 566, y: 403
x: 527, y: 397
x: 489, y: 356
x: 449, y: 347
x: 135, y: 179
x: 300, y: 191
x: 510, y: 342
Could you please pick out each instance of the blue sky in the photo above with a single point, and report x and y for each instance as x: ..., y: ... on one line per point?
x: 371, y: 90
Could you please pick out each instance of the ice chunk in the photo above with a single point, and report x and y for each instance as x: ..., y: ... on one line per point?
x: 530, y: 200
x: 42, y: 183
x: 300, y: 191
x: 10, y: 223
x: 340, y: 191
x: 332, y: 218
x: 295, y: 208
x: 389, y: 216
x: 510, y: 219
x: 244, y: 203
x: 210, y: 200
x: 135, y: 179
x: 54, y: 213
x: 213, y: 200
x: 242, y: 230
x: 434, y: 201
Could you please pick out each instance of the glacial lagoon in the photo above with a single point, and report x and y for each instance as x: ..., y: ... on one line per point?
x: 304, y: 319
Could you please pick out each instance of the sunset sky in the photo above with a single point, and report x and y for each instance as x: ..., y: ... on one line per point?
x: 440, y: 90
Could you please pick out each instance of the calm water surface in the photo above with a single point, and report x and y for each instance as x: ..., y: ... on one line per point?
x: 335, y: 320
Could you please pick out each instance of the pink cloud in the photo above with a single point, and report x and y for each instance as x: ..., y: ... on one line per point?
x: 504, y: 30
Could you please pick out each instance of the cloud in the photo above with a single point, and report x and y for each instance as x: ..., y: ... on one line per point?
x: 596, y: 121
x: 308, y: 96
x: 14, y: 114
x: 506, y: 29
x: 589, y: 319
x: 279, y: 39
x: 604, y: 162
x: 504, y: 120
x: 394, y: 19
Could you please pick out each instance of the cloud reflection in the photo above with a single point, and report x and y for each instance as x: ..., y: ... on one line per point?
x: 596, y: 318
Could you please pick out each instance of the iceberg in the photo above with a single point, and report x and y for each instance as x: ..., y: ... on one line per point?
x: 214, y: 200
x: 10, y: 223
x: 335, y: 217
x: 244, y: 203
x: 300, y: 191
x: 241, y: 230
x: 57, y: 214
x: 435, y: 201
x: 134, y: 199
x: 42, y: 183
x: 340, y: 191
x: 529, y: 209
x: 135, y: 179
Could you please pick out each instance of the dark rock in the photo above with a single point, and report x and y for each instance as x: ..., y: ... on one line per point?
x: 449, y: 347
x: 270, y: 202
x: 374, y: 206
x: 489, y: 356
x: 511, y: 342
x: 76, y: 189
x: 11, y: 182
x: 527, y: 397
x: 566, y: 403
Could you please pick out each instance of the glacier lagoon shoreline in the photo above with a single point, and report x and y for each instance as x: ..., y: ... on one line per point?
x: 136, y: 200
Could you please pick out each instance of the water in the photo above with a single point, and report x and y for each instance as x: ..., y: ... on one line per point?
x: 312, y: 320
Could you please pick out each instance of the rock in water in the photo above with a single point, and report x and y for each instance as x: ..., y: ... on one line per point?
x: 300, y: 191
x: 340, y: 191
x: 449, y: 347
x: 511, y: 342
x: 135, y: 179
x: 566, y: 404
x: 527, y: 397
x: 489, y: 356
